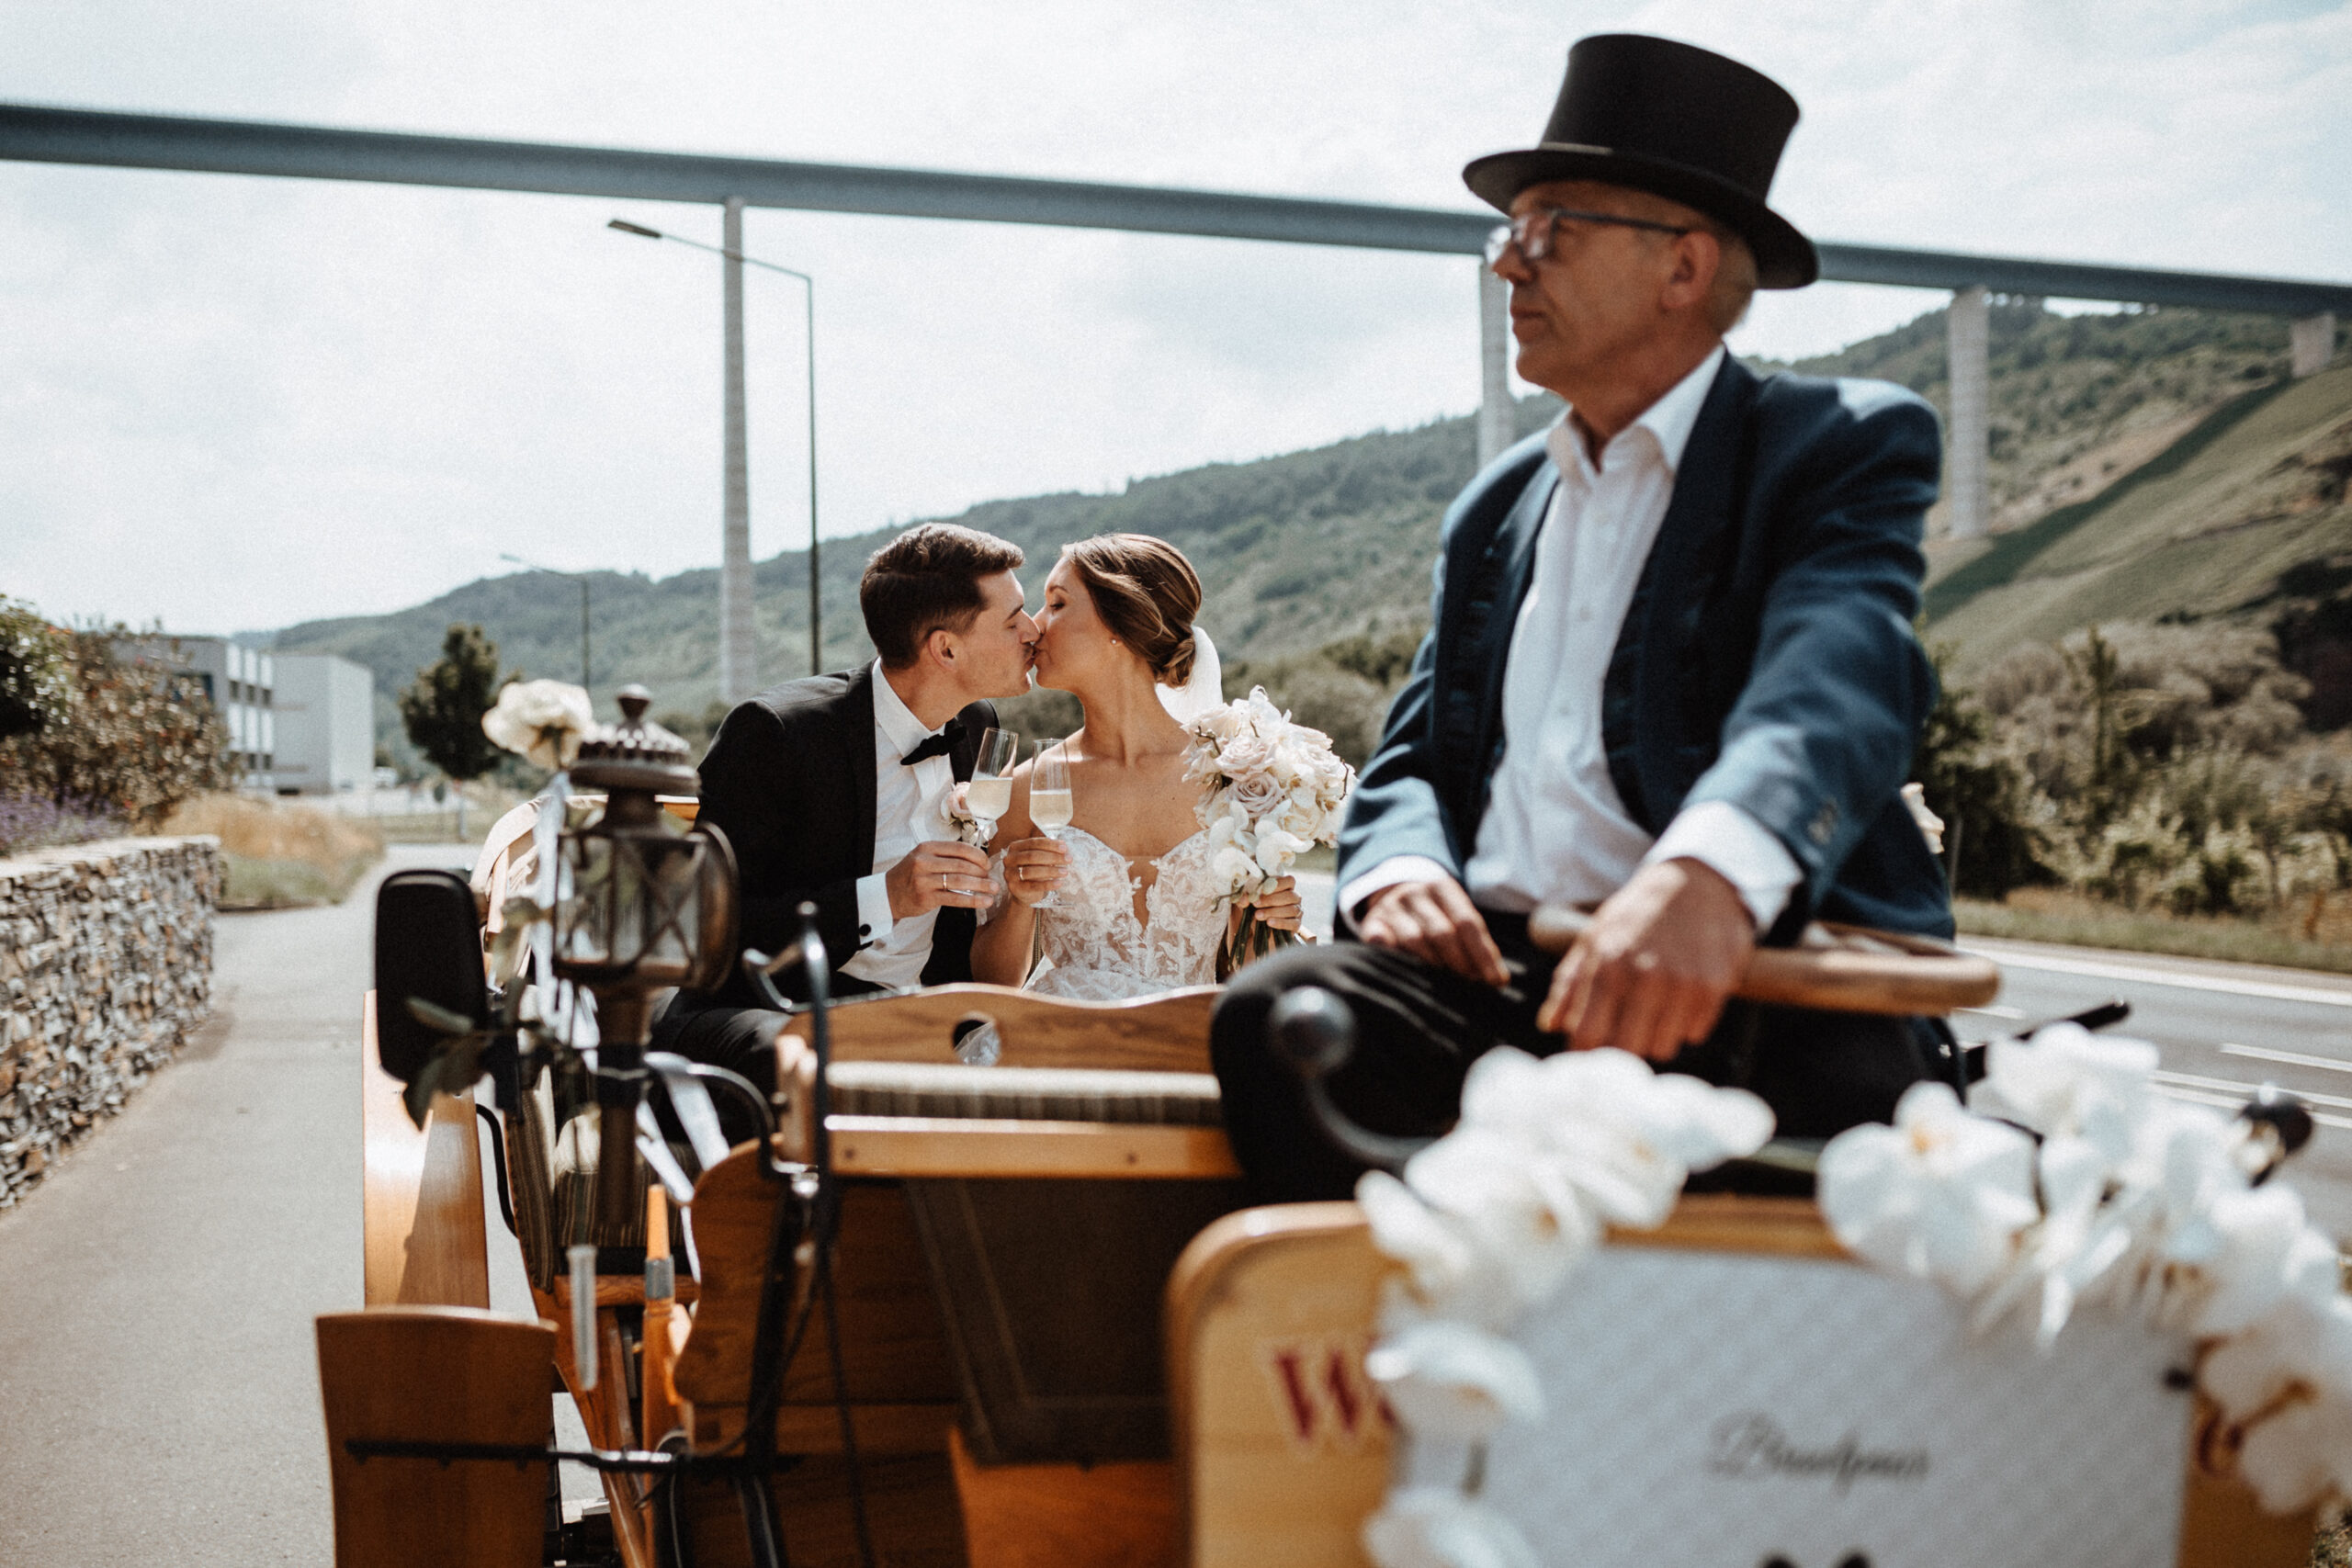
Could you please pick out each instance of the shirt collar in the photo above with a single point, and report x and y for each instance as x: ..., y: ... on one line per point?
x: 1667, y: 421
x: 898, y: 723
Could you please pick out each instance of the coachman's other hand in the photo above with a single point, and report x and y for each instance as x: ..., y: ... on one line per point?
x: 939, y: 875
x: 1651, y: 973
x: 1280, y: 906
x: 1033, y: 868
x: 1435, y: 922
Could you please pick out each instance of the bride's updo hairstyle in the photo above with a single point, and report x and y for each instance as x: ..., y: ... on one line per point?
x: 1147, y: 593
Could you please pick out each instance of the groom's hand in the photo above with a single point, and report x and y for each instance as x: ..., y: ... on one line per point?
x: 938, y: 875
x: 1435, y: 922
x: 1650, y: 974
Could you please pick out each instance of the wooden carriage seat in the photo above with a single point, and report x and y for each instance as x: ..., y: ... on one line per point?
x: 1284, y: 1447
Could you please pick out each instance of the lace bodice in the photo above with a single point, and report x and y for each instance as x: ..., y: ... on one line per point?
x: 1101, y: 952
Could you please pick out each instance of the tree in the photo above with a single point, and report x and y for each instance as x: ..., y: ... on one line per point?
x: 1983, y: 796
x: 442, y: 709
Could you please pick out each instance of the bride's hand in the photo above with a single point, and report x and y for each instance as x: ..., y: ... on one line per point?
x: 1280, y: 906
x: 1033, y: 868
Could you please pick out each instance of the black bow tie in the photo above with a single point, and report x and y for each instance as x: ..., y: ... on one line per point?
x: 937, y: 745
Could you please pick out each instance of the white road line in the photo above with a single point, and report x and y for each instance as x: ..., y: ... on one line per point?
x: 2231, y: 1085
x: 2290, y: 1058
x: 1996, y: 1012
x: 2231, y: 1102
x: 2135, y: 973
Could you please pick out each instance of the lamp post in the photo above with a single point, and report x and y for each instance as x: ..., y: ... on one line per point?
x: 732, y: 254
x: 583, y: 577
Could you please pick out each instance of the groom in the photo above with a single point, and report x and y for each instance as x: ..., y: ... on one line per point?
x: 832, y: 790
x: 1670, y: 670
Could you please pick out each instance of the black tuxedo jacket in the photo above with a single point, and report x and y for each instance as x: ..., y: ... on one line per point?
x: 789, y: 779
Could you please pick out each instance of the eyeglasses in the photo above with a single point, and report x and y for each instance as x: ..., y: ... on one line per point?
x: 1532, y: 231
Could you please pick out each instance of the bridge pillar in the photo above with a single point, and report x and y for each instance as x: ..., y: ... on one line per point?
x: 1498, y: 422
x: 2311, y: 343
x: 738, y: 658
x: 1968, y: 436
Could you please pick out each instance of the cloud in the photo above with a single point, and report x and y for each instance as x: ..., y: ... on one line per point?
x: 235, y: 402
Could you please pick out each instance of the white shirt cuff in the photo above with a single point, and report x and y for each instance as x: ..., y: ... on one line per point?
x: 1388, y: 874
x: 874, y: 920
x: 1736, y: 847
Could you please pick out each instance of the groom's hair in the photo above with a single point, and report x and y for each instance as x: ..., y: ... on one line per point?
x: 927, y: 580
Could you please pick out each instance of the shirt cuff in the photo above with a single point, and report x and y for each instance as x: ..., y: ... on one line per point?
x: 1388, y: 874
x: 874, y: 920
x: 1739, y: 849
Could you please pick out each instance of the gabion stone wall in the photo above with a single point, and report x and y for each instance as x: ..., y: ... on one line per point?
x: 106, y: 961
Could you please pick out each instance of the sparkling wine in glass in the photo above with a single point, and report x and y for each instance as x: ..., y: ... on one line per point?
x: 989, y: 795
x: 1049, y: 799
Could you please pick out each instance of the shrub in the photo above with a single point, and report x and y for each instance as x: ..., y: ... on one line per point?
x: 134, y: 735
x: 30, y: 822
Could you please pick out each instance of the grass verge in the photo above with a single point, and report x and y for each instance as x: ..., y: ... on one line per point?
x: 281, y: 854
x: 2070, y: 920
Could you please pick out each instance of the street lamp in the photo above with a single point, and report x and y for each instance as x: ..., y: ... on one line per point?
x: 732, y: 253
x: 583, y: 577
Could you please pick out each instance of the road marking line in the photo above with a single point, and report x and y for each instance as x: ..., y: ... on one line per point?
x: 2233, y: 1085
x: 2230, y: 1102
x: 1996, y: 1012
x: 2179, y: 982
x: 2290, y: 1058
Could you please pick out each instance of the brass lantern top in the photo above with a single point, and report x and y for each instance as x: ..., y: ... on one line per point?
x: 636, y: 753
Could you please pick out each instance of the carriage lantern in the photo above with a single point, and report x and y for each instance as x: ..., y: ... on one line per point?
x: 642, y: 904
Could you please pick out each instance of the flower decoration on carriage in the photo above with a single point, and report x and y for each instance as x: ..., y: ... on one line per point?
x: 543, y: 720
x: 1277, y: 789
x: 2086, y: 1187
x: 1490, y: 1221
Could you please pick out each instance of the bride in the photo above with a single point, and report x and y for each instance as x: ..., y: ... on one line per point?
x: 1136, y: 911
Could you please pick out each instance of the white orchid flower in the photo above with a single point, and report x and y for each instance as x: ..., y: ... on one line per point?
x: 1454, y: 1382
x: 2303, y: 1344
x: 1435, y: 1526
x: 1942, y: 1195
x: 542, y: 720
x: 2263, y: 1251
x: 1277, y: 849
x: 2068, y: 1080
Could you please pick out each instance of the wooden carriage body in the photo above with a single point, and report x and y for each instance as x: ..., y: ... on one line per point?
x: 1274, y: 1448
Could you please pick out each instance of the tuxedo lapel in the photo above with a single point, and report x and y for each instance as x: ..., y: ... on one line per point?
x: 857, y: 723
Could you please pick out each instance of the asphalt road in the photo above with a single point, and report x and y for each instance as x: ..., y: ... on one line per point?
x: 159, y: 1387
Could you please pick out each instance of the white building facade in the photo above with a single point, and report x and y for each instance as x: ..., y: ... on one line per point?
x: 323, y: 711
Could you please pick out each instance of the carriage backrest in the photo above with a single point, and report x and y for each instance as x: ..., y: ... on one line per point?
x: 1284, y: 1447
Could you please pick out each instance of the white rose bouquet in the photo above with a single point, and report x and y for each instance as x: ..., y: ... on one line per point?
x: 1277, y: 789
x: 543, y: 720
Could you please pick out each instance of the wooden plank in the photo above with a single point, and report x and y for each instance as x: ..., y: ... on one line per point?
x: 896, y: 1351
x: 422, y: 1219
x: 913, y: 1428
x: 620, y: 1290
x: 909, y: 1503
x: 940, y: 1147
x: 434, y: 1375
x: 1168, y: 1033
x: 1118, y: 1515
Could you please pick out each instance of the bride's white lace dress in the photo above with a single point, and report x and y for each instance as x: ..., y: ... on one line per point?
x: 1101, y: 948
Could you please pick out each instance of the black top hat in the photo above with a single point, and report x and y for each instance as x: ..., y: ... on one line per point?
x: 1677, y: 122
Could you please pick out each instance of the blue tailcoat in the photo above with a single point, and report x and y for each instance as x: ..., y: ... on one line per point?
x: 1767, y: 659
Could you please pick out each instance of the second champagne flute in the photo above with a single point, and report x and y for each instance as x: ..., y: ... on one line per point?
x: 990, y: 795
x: 1049, y: 799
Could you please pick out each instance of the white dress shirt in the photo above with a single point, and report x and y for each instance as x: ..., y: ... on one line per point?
x: 1555, y: 829
x: 909, y: 809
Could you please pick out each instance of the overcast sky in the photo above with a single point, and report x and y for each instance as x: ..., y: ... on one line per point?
x: 230, y: 403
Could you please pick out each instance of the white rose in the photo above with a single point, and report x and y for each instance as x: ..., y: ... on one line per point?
x: 1258, y: 794
x: 1245, y: 755
x: 543, y: 720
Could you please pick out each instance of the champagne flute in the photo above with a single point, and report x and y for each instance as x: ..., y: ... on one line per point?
x: 1050, y: 800
x: 989, y: 795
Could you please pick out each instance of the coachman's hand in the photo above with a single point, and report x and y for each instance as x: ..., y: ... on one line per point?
x: 1651, y: 973
x: 1435, y: 922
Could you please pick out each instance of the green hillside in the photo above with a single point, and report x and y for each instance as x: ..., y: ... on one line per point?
x: 2216, y: 525
x: 2162, y: 506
